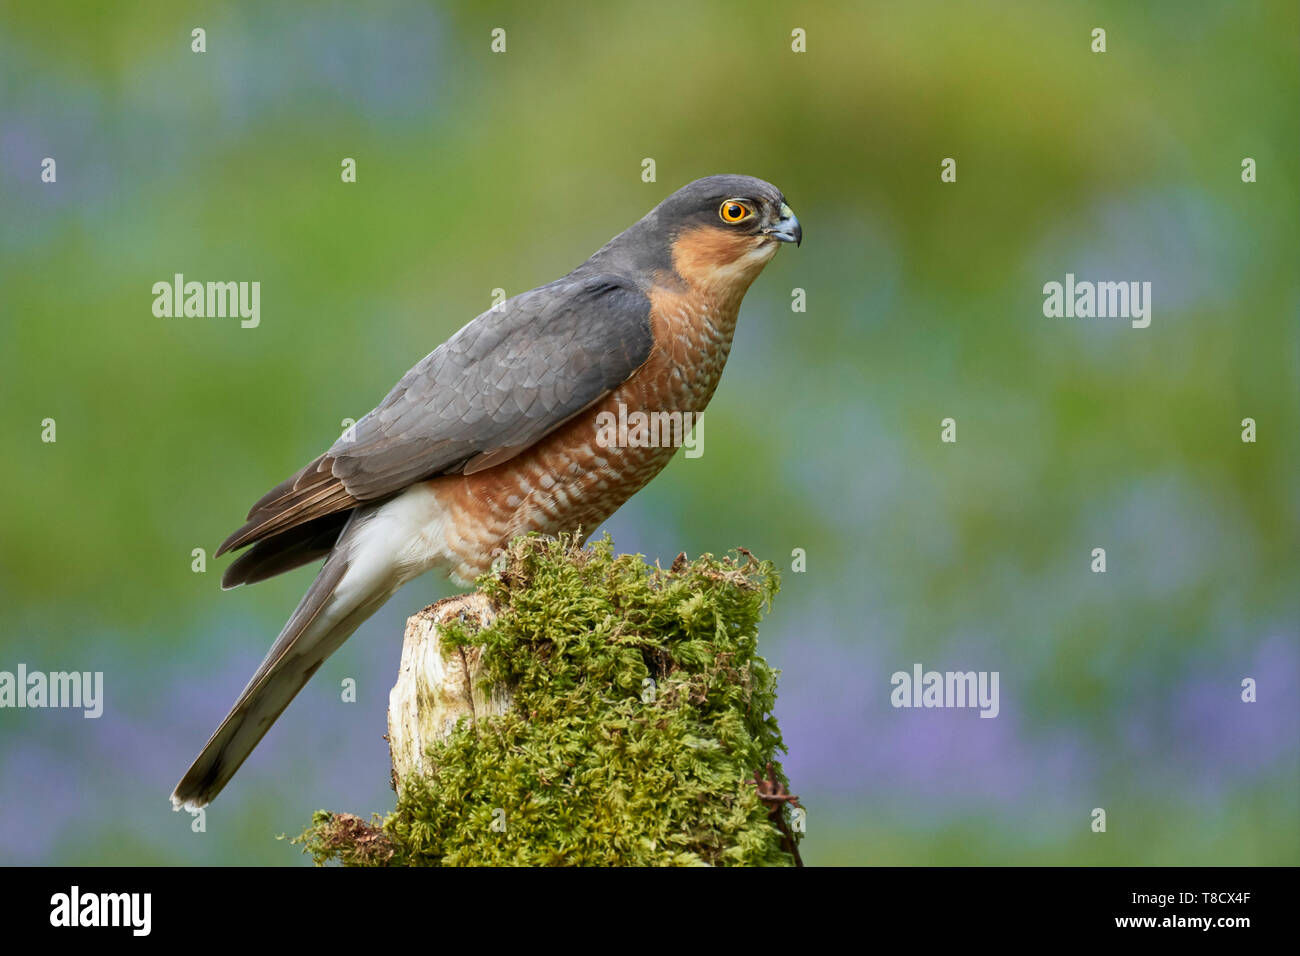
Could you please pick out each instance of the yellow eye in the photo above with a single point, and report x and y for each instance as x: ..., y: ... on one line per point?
x: 733, y: 210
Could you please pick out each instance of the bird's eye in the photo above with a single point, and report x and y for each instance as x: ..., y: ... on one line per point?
x: 733, y: 210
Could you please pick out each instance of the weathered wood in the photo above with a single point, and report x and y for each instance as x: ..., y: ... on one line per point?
x: 434, y: 690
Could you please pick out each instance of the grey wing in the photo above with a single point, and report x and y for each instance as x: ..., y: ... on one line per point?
x: 494, y: 388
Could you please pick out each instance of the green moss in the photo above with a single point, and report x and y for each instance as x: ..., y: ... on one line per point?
x: 594, y: 764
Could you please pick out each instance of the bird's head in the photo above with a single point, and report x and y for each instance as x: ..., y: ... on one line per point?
x: 741, y: 209
x: 717, y: 232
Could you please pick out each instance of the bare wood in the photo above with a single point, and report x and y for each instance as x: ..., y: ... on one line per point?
x: 435, y: 690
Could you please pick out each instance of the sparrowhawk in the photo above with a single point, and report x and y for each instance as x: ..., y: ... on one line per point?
x: 493, y: 434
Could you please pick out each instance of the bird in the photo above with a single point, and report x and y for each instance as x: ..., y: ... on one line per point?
x: 494, y: 434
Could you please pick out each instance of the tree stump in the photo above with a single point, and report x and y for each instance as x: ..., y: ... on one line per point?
x: 434, y: 689
x: 583, y: 708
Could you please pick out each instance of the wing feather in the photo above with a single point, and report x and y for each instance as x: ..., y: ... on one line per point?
x: 496, y: 387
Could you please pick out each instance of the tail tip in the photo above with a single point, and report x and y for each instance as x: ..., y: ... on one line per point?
x: 190, y: 804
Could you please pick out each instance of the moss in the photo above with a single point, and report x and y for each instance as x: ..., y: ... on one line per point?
x: 348, y: 839
x: 594, y: 764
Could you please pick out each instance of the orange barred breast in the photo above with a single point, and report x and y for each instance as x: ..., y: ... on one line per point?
x: 568, y: 480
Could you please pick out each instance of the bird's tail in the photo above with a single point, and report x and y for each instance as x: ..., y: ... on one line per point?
x: 333, y: 607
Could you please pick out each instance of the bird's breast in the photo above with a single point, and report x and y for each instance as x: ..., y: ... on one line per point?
x: 583, y: 471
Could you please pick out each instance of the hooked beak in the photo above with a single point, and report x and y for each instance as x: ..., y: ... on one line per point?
x: 787, y: 228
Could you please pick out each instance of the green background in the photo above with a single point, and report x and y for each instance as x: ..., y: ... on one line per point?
x: 924, y: 301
